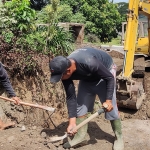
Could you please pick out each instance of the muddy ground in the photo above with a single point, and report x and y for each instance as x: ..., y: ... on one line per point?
x: 32, y: 131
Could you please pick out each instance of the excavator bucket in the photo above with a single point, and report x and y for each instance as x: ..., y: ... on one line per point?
x: 130, y: 94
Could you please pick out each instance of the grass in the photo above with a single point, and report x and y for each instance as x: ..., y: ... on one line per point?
x: 115, y: 41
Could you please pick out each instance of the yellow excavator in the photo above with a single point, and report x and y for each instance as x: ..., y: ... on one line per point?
x: 131, y: 89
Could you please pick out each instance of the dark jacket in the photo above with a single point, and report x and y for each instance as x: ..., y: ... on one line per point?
x: 5, y: 82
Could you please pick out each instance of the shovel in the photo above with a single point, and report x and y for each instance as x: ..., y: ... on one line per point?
x: 102, y: 110
x: 30, y: 104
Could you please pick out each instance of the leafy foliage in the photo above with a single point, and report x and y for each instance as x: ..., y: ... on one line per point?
x: 65, y: 14
x: 57, y: 39
x: 102, y: 17
x: 78, y: 18
x: 61, y: 42
x: 20, y: 14
x: 92, y: 38
x: 16, y: 20
x: 21, y: 38
x: 122, y: 9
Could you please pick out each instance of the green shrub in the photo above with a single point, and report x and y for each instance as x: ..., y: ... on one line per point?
x: 92, y: 38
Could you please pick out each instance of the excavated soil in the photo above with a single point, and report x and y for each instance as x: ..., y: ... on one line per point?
x: 34, y: 126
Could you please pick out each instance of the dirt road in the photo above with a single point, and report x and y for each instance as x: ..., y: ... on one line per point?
x: 136, y: 136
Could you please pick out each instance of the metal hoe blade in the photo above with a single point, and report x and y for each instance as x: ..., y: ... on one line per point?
x: 54, y: 139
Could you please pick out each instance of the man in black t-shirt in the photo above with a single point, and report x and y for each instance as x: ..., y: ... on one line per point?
x: 96, y: 71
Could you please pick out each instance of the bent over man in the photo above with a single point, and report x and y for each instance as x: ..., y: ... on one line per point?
x: 96, y: 71
x: 6, y: 85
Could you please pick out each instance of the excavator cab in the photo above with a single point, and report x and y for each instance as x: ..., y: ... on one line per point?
x: 142, y: 37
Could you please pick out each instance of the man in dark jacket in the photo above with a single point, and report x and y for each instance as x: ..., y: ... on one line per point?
x: 6, y: 85
x: 96, y: 71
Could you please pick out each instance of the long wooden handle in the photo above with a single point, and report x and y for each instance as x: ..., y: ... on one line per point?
x: 29, y: 104
x: 102, y: 110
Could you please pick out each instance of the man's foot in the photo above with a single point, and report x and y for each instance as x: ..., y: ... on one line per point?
x: 118, y: 144
x: 81, y: 143
x: 6, y: 125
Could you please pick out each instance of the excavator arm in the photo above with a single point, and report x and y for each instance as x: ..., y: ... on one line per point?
x: 131, y: 35
x: 130, y: 91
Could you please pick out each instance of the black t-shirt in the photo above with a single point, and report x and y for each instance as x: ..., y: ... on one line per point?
x: 4, y: 80
x: 91, y: 65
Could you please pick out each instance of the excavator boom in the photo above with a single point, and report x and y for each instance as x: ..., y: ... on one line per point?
x: 131, y: 35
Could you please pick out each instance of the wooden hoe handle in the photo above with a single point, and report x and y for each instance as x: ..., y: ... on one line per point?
x: 29, y: 104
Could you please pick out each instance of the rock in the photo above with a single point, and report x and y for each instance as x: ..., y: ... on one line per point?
x: 45, y: 142
x: 43, y: 134
x: 19, y: 125
x: 143, y: 117
x: 2, y: 114
x: 23, y: 128
x: 61, y: 142
x: 34, y: 127
x: 56, y: 144
x: 148, y: 110
x: 122, y: 116
x: 51, y: 146
x: 60, y: 148
x: 10, y: 139
x: 20, y: 116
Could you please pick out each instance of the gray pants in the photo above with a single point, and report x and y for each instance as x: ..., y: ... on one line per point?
x: 87, y: 92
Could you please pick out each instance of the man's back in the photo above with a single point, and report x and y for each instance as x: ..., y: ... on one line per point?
x: 85, y: 56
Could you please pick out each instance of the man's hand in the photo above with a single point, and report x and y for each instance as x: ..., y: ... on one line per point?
x: 72, y: 124
x: 17, y: 100
x: 109, y: 105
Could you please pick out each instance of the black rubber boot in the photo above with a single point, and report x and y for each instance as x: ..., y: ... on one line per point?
x: 79, y: 136
x: 116, y: 126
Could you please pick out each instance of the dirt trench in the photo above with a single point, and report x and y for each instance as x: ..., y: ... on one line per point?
x: 37, y: 90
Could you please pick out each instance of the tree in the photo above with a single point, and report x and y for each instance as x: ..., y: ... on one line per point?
x: 65, y: 14
x: 102, y: 17
x: 122, y: 9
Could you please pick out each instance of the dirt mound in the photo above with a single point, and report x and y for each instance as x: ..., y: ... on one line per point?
x: 116, y: 54
x: 112, y: 53
x: 87, y: 45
